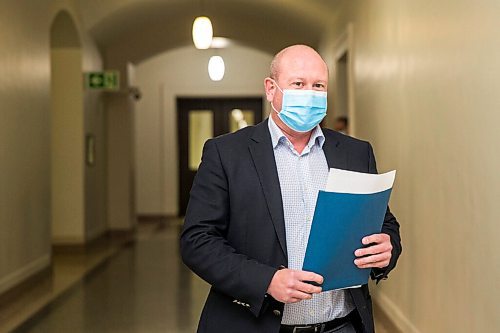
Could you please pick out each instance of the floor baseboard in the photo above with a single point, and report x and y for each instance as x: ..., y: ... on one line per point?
x: 20, y: 288
x: 396, y: 321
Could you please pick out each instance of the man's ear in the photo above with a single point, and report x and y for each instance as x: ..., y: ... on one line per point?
x: 270, y: 88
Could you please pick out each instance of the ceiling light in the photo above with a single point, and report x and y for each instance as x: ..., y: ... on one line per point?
x: 216, y: 68
x: 202, y: 32
x: 237, y: 114
x: 220, y: 43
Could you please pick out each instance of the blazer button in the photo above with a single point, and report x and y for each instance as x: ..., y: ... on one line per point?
x: 277, y: 313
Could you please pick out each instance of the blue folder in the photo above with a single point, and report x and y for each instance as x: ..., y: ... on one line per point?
x: 340, y: 222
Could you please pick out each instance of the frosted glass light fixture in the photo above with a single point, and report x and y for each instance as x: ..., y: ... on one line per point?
x: 220, y: 43
x: 216, y: 68
x: 202, y: 32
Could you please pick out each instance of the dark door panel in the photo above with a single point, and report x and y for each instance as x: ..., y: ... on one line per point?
x: 202, y: 118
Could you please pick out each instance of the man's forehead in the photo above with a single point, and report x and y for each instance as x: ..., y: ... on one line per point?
x: 299, y: 58
x: 301, y: 67
x: 302, y: 60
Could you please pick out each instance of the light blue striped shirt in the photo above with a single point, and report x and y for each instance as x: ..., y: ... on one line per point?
x: 301, y: 176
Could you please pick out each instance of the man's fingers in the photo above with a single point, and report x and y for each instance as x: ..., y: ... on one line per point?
x: 373, y: 260
x: 308, y: 276
x: 293, y: 296
x: 290, y: 288
x: 299, y: 295
x: 308, y: 288
x: 375, y: 249
x: 379, y: 264
x: 375, y: 238
x: 293, y: 300
x: 287, y: 285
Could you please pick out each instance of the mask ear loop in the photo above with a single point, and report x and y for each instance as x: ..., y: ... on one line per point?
x: 276, y: 83
x: 277, y: 86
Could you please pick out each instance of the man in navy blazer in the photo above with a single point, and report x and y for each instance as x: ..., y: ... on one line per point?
x: 238, y: 216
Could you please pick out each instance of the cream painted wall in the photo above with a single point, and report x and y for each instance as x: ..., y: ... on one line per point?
x: 95, y: 176
x: 120, y: 109
x: 67, y: 123
x: 95, y: 124
x: 426, y: 81
x: 181, y: 72
x: 25, y: 237
x: 78, y: 189
x: 24, y: 140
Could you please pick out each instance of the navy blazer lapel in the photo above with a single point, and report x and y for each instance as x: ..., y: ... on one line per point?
x: 262, y: 153
x: 335, y: 152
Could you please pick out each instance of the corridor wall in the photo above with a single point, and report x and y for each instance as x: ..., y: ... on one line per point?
x: 25, y: 215
x: 426, y: 80
x: 24, y: 140
x: 78, y: 187
x: 181, y: 72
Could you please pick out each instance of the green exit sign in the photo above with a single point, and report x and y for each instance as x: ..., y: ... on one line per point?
x: 107, y: 80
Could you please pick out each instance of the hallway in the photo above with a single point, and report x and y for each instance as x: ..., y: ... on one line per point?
x: 144, y: 287
x: 106, y: 106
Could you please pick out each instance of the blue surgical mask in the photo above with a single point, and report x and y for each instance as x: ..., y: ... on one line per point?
x: 302, y: 110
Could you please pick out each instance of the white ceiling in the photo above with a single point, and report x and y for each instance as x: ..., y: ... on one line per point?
x: 140, y: 29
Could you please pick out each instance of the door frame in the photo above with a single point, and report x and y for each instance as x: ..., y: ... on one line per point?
x: 221, y: 126
x: 342, y: 46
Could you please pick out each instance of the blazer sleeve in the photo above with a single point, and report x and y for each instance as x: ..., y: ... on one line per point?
x: 204, y: 245
x: 390, y: 227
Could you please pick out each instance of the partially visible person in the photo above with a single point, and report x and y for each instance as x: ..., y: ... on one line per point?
x: 341, y: 125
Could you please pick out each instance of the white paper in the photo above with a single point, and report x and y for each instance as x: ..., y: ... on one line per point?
x: 343, y: 181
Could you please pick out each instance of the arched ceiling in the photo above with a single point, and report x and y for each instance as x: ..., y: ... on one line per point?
x: 137, y: 29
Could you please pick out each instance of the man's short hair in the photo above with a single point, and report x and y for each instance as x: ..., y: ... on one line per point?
x: 274, y: 68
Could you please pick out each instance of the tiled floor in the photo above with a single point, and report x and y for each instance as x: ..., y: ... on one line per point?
x: 143, y: 288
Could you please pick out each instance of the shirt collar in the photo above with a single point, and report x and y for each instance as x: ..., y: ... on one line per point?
x: 317, y: 136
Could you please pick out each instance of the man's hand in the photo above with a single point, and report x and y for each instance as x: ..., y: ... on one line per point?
x: 288, y: 286
x: 378, y: 255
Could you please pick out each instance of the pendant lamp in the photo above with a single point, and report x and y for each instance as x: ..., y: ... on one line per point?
x: 202, y: 32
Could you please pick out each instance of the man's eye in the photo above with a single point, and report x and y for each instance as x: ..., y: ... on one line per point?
x: 319, y: 85
x: 298, y: 84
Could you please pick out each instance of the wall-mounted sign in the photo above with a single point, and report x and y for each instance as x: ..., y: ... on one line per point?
x: 107, y: 80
